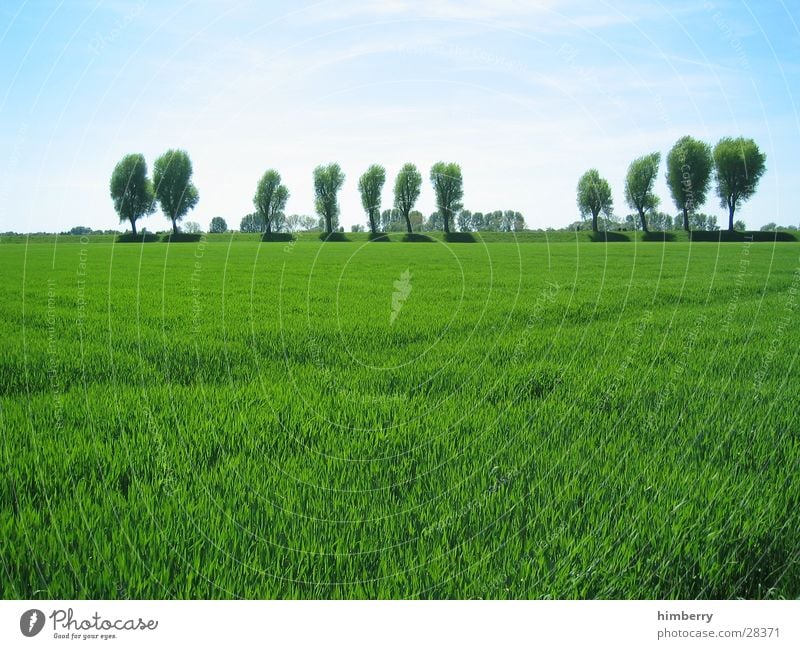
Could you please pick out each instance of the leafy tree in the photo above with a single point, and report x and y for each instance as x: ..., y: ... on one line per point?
x: 357, y: 227
x: 371, y: 185
x: 218, y: 225
x: 448, y: 185
x: 464, y: 221
x: 689, y: 165
x: 770, y: 227
x: 703, y: 222
x: 417, y: 218
x: 740, y: 226
x: 80, y: 230
x: 191, y: 227
x: 639, y: 183
x: 250, y: 223
x: 172, y: 177
x: 407, y: 187
x: 270, y: 201
x: 131, y: 189
x: 511, y: 221
x: 738, y: 166
x: 328, y: 180
x: 434, y: 222
x: 594, y: 196
x: 300, y: 222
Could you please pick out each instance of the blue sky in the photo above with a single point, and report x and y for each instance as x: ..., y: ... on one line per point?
x: 525, y: 95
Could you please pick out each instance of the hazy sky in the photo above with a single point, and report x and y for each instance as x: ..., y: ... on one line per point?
x: 525, y: 95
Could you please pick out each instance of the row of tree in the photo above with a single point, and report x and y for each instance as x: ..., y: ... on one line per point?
x: 135, y: 195
x: 736, y: 165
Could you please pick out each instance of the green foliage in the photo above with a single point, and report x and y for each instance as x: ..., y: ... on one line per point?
x: 573, y: 420
x: 689, y: 166
x: 328, y: 180
x: 174, y: 190
x: 132, y: 190
x: 192, y: 227
x: 594, y: 197
x: 250, y: 223
x: 639, y: 182
x: 217, y: 225
x: 738, y: 166
x: 448, y: 185
x: 407, y: 187
x: 370, y: 185
x: 270, y: 201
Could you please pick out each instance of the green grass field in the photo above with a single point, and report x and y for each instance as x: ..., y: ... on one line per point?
x: 492, y: 420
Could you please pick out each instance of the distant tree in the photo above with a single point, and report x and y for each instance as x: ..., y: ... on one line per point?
x: 357, y: 227
x: 464, y: 221
x: 511, y: 221
x: 80, y: 230
x: 478, y: 221
x: 407, y: 187
x: 417, y: 218
x: 370, y: 185
x: 770, y: 227
x: 250, y: 223
x: 448, y: 185
x: 434, y: 222
x: 703, y: 222
x: 172, y: 177
x: 740, y: 226
x: 689, y: 165
x: 300, y: 222
x: 738, y: 166
x: 191, y: 227
x: 328, y: 180
x: 594, y: 196
x: 639, y: 183
x: 218, y: 225
x: 131, y: 189
x: 270, y: 200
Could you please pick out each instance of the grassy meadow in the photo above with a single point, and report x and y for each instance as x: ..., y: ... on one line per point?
x: 229, y: 418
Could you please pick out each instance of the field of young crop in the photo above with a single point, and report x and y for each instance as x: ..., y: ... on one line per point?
x: 399, y: 420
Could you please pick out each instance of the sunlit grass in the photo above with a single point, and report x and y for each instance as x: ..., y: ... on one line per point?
x: 235, y: 419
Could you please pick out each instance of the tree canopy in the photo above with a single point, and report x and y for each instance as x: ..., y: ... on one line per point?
x: 132, y: 190
x: 689, y: 165
x: 218, y: 225
x: 371, y: 185
x: 328, y: 180
x: 738, y: 166
x: 448, y: 185
x: 639, y: 183
x: 172, y: 177
x: 270, y: 200
x: 594, y: 196
x: 407, y: 187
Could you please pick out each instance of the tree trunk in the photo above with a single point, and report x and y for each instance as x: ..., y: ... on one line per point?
x: 685, y: 219
x: 133, y: 226
x: 731, y: 210
x: 644, y: 221
x: 446, y: 219
x: 408, y: 222
x: 269, y: 226
x: 174, y: 227
x: 594, y: 221
x: 328, y: 224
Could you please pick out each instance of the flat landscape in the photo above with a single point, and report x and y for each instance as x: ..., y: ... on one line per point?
x: 230, y: 418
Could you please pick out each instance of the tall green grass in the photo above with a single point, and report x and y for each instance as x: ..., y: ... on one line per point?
x: 241, y: 419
